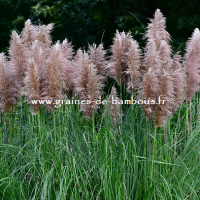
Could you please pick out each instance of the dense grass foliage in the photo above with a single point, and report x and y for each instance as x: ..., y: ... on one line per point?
x: 66, y: 156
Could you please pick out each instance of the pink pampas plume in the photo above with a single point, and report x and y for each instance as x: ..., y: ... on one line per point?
x: 151, y: 58
x: 179, y: 82
x: 192, y: 63
x: 37, y: 53
x: 44, y: 36
x: 93, y: 92
x: 87, y: 83
x: 52, y: 86
x: 67, y: 67
x: 164, y: 109
x: 156, y: 30
x: 18, y: 59
x: 77, y: 58
x: 158, y: 51
x: 150, y: 91
x: 9, y: 94
x: 81, y: 63
x: 97, y: 57
x: 29, y: 33
x: 151, y: 79
x: 134, y: 67
x: 67, y: 49
x: 118, y: 63
x: 32, y: 85
x: 113, y: 110
x: 62, y: 59
x: 34, y: 81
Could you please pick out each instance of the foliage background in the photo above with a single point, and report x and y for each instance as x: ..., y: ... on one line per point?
x: 93, y: 21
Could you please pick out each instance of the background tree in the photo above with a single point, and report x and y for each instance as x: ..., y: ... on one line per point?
x: 93, y: 21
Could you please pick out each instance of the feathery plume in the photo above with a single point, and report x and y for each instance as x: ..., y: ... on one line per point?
x: 192, y: 64
x: 29, y: 33
x: 32, y: 85
x: 93, y: 92
x: 77, y: 58
x: 151, y: 78
x: 134, y: 65
x: 9, y: 94
x: 67, y: 49
x: 113, y: 110
x: 118, y: 64
x: 87, y: 83
x: 18, y: 58
x: 52, y: 88
x: 97, y: 57
x: 156, y: 30
x: 44, y: 36
x: 67, y: 67
x: 38, y: 54
x: 34, y: 81
x: 158, y: 48
x: 81, y: 63
x: 151, y: 58
x: 179, y: 82
x: 150, y: 90
x: 164, y: 109
x: 158, y: 51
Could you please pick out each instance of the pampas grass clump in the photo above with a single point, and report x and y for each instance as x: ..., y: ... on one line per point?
x: 43, y: 71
